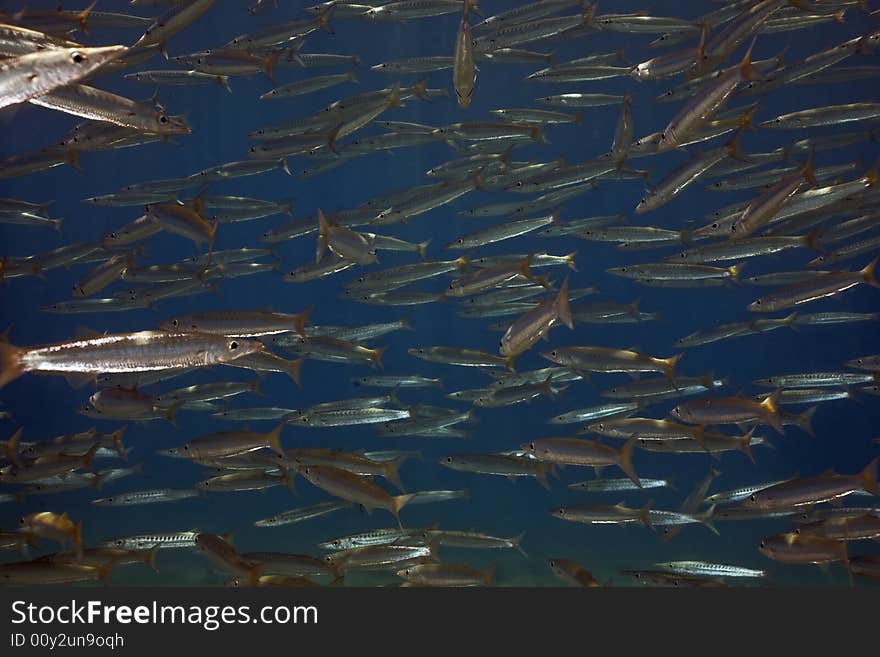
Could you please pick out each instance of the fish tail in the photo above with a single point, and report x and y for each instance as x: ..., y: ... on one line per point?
x: 516, y: 542
x: 151, y: 558
x: 289, y: 478
x: 537, y: 134
x: 541, y: 474
x: 83, y: 16
x: 809, y: 172
x: 254, y: 573
x: 104, y: 573
x: 393, y: 99
x: 867, y: 274
x: 669, y: 365
x: 212, y: 234
x: 547, y: 388
x: 89, y: 457
x: 10, y: 363
x: 324, y: 19
x: 171, y: 415
x: 563, y: 310
x: 391, y: 473
x: 508, y: 362
x: 805, y: 421
x: 273, y: 438
x: 12, y: 447
x: 397, y: 503
x: 255, y: 386
x: 587, y: 12
x: 846, y: 563
x: 745, y: 445
x: 269, y: 64
x: 294, y: 370
x: 488, y: 574
x: 706, y: 520
x: 735, y: 270
x: 323, y: 227
x: 771, y: 412
x: 747, y: 72
x: 116, y: 438
x: 76, y: 539
x: 868, y: 477
x: 223, y: 80
x: 421, y: 249
x: 525, y: 266
x: 645, y: 516
x: 625, y: 461
x: 376, y: 357
x: 569, y: 261
x: 332, y: 136
x: 302, y: 318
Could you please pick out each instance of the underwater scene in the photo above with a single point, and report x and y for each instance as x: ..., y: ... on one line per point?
x: 439, y: 293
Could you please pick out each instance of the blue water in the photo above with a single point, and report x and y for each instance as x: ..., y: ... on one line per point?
x: 47, y: 406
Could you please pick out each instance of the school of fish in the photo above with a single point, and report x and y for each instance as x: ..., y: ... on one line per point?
x: 701, y: 74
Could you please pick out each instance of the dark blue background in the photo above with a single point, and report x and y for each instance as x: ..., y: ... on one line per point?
x: 46, y: 406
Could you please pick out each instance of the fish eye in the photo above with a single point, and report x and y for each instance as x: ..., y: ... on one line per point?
x: 531, y: 445
x: 186, y: 447
x: 758, y: 302
x: 175, y: 323
x: 77, y: 57
x: 761, y: 544
x: 163, y: 118
x: 448, y: 460
x: 753, y: 498
x: 561, y: 512
x: 119, y: 542
x: 233, y: 345
x: 715, y: 225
